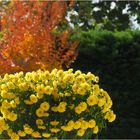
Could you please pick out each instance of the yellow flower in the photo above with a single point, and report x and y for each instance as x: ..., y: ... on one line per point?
x: 17, y: 101
x: 101, y: 102
x: 90, y: 76
x: 106, y: 95
x: 5, y: 94
x: 54, y: 109
x: 39, y: 112
x: 45, y: 106
x: 55, y: 84
x: 9, y: 132
x: 14, y: 136
x: 39, y: 122
x: 10, y: 85
x: 23, y: 86
x: 54, y: 130
x: 96, y: 79
x: 28, y: 130
x: 39, y: 95
x: 96, y: 89
x: 40, y: 89
x: 46, y: 74
x: 12, y: 116
x: 48, y: 90
x: 62, y: 107
x: 60, y: 73
x: 86, y: 86
x: 92, y: 100
x: 6, y: 104
x: 5, y: 112
x: 67, y: 94
x: 21, y: 133
x: 2, y: 120
x: 81, y: 91
x: 75, y: 87
x: 6, y: 77
x: 12, y: 95
x: 91, y: 123
x: 80, y: 79
x: 46, y: 135
x: 61, y: 94
x: 35, y: 77
x: 54, y: 123
x: 4, y: 87
x: 45, y: 114
x: 84, y: 124
x: 83, y: 106
x: 109, y: 103
x: 5, y: 127
x: 13, y: 104
x: 55, y: 95
x: 66, y: 128
x: 33, y: 98
x: 78, y: 110
x: 95, y: 129
x: 68, y: 78
x: 36, y: 134
x: 105, y: 109
x: 28, y: 77
x: 77, y: 125
x: 78, y: 72
x: 41, y: 127
x: 28, y: 102
x: 54, y: 72
x: 71, y: 123
x: 63, y: 103
x: 80, y: 132
x: 110, y: 116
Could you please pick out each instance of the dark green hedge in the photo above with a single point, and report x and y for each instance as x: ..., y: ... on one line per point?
x: 115, y: 58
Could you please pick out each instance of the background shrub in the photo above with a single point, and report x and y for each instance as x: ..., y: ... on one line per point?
x: 115, y: 57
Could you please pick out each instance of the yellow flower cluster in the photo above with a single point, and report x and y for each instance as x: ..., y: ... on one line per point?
x: 81, y: 126
x: 43, y: 104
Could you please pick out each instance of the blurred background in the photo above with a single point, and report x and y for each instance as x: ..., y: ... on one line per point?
x: 109, y: 35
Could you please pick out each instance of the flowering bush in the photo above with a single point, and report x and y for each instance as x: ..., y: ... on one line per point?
x: 34, y: 36
x: 56, y: 104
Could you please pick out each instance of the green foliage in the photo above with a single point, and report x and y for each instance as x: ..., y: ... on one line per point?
x: 115, y: 57
x: 1, y: 35
x: 115, y: 50
x: 105, y: 15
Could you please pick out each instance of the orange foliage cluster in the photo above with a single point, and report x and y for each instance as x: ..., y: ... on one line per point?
x: 29, y: 43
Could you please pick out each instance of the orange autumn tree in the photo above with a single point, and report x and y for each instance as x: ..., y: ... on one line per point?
x: 29, y: 41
